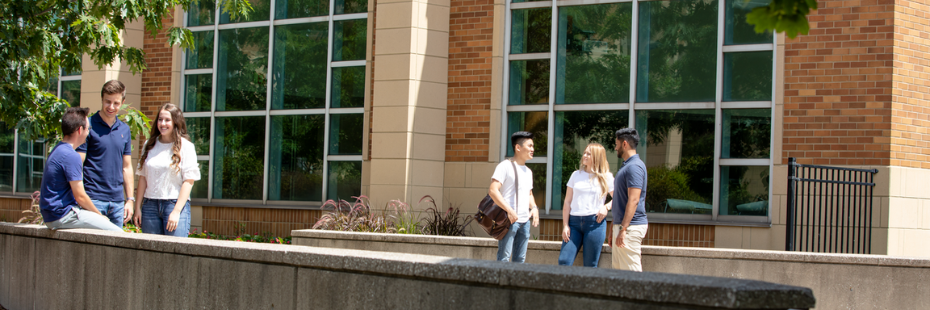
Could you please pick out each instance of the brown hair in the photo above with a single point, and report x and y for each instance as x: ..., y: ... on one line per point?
x: 73, y: 119
x: 180, y: 131
x: 113, y: 87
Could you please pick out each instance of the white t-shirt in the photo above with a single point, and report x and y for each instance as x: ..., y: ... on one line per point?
x: 162, y: 180
x: 586, y: 192
x: 504, y: 174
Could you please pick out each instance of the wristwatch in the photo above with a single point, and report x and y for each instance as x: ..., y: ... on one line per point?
x: 133, y: 199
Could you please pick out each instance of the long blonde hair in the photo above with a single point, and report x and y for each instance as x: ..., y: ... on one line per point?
x: 599, y: 164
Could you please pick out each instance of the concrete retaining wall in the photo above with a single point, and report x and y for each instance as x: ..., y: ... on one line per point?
x: 839, y: 281
x: 88, y: 269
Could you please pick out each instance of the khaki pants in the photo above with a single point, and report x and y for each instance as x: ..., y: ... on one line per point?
x: 629, y: 257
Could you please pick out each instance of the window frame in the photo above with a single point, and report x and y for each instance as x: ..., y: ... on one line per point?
x: 268, y: 112
x: 718, y: 105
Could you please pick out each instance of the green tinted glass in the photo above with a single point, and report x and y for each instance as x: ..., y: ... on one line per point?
x: 71, y: 91
x: 349, y: 37
x: 529, y: 82
x: 593, y: 54
x: 198, y: 90
x: 295, y: 158
x: 300, y: 8
x: 345, y: 134
x: 747, y: 133
x: 747, y: 76
x: 199, y: 191
x: 344, y: 180
x: 299, y: 72
x: 242, y: 69
x: 30, y: 164
x: 678, y: 149
x: 200, y: 13
x: 539, y: 184
x: 744, y: 190
x: 535, y: 122
x: 261, y: 10
x: 198, y: 129
x: 7, y: 141
x: 677, y: 53
x: 351, y: 6
x: 239, y: 151
x: 739, y: 31
x: 573, y: 132
x: 201, y: 55
x: 51, y: 86
x: 531, y: 31
x: 348, y: 87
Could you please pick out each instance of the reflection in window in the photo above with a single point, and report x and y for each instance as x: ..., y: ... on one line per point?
x: 200, y: 13
x: 345, y: 134
x: 199, y: 191
x: 746, y: 133
x: 300, y: 8
x: 747, y: 76
x: 531, y: 31
x: 30, y: 165
x: 535, y: 122
x: 295, y: 158
x: 344, y: 181
x: 678, y: 149
x: 744, y: 190
x: 198, y: 129
x: 242, y: 74
x: 349, y: 37
x: 351, y: 6
x: 71, y: 91
x: 348, y: 87
x: 529, y: 82
x: 239, y: 151
x: 299, y: 72
x: 197, y: 91
x: 7, y: 141
x: 738, y: 31
x: 594, y: 54
x: 539, y: 183
x: 261, y: 11
x: 677, y: 51
x: 573, y: 132
x: 201, y: 55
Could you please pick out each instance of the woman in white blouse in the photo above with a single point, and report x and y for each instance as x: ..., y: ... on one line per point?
x: 167, y: 171
x: 584, y: 210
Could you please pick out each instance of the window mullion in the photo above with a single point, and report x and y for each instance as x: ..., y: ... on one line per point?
x: 634, y: 53
x: 328, y: 100
x: 268, y: 104
x: 216, y: 48
x: 718, y: 115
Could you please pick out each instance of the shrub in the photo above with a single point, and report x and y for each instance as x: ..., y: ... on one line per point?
x: 443, y: 223
x: 404, y: 221
x: 34, y: 214
x: 358, y: 216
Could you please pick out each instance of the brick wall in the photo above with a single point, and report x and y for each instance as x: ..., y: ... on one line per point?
x: 659, y: 234
x: 910, y: 119
x: 838, y: 96
x: 468, y: 119
x: 156, y: 79
x: 279, y: 223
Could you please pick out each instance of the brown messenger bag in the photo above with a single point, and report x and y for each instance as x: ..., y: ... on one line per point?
x: 492, y: 218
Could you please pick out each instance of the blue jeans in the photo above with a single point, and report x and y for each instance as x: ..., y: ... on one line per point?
x: 515, y: 243
x: 80, y: 218
x: 587, y: 234
x: 155, y: 213
x: 113, y: 210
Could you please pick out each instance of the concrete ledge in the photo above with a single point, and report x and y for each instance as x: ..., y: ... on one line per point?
x: 168, y: 272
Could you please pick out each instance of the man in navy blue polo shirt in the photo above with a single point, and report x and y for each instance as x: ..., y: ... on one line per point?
x: 629, y: 204
x: 107, y: 156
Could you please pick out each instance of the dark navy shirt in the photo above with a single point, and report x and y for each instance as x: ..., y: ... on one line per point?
x: 103, y: 165
x: 631, y: 175
x: 62, y: 167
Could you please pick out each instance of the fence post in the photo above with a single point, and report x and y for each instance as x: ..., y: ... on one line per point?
x: 792, y: 200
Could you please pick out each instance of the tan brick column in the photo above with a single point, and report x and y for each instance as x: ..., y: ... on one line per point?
x: 409, y: 100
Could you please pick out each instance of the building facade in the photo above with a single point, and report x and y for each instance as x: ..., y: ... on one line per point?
x: 306, y: 101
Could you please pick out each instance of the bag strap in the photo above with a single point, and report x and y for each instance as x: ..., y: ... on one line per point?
x: 516, y: 186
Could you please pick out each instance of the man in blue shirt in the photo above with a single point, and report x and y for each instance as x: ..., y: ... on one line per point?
x: 107, y: 157
x: 62, y: 200
x: 629, y: 204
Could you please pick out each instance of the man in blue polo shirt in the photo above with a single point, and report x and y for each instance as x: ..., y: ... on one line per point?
x: 629, y: 204
x: 62, y: 200
x: 107, y: 156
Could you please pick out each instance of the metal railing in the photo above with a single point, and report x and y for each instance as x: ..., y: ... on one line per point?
x: 829, y: 209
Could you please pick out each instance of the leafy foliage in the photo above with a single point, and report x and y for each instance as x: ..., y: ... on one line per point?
x: 788, y: 16
x: 37, y: 37
x: 34, y: 214
x: 241, y: 237
x: 358, y: 216
x: 447, y: 223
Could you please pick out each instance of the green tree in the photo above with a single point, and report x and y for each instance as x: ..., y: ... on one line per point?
x: 37, y: 37
x: 788, y: 16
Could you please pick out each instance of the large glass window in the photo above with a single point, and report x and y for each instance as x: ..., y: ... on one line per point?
x: 701, y: 102
x: 7, y: 151
x: 264, y: 93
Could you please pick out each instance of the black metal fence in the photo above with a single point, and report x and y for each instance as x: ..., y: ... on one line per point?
x: 829, y: 209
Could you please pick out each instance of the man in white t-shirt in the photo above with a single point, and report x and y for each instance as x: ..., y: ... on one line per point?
x: 521, y: 207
